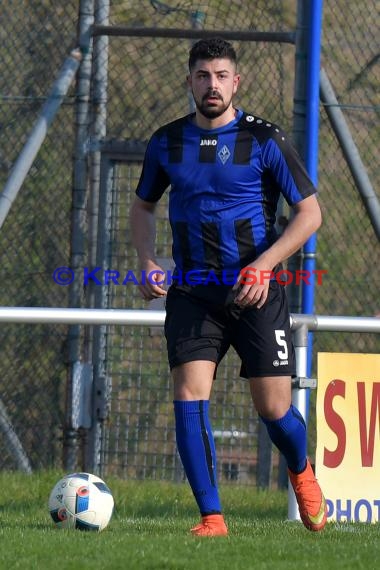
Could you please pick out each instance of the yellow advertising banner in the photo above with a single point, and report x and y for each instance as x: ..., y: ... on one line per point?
x: 348, y: 435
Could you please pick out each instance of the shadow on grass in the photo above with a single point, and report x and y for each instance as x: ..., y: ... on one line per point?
x: 169, y: 499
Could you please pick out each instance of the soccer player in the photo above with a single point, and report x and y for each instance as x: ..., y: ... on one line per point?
x: 226, y: 169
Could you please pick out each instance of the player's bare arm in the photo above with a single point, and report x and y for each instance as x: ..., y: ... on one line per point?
x: 307, y: 219
x: 143, y: 228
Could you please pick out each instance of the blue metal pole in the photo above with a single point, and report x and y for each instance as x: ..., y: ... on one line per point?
x: 311, y: 151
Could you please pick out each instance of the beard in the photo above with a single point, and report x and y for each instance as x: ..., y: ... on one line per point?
x: 214, y: 110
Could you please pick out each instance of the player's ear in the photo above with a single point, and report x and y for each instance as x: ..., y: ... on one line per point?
x: 188, y: 80
x: 236, y: 81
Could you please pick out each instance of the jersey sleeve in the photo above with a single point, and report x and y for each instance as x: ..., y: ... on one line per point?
x: 153, y: 179
x: 286, y: 167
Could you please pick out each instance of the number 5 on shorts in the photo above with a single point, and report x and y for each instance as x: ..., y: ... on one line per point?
x: 282, y: 354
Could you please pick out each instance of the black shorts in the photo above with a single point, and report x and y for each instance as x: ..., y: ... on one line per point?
x: 202, y: 322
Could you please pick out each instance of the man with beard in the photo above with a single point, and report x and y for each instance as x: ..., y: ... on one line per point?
x: 226, y: 169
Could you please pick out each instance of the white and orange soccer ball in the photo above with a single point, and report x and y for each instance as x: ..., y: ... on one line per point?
x: 81, y: 501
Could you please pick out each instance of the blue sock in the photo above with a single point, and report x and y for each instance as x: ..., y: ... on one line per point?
x: 289, y: 435
x: 196, y: 448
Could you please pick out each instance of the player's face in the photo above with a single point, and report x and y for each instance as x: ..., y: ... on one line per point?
x: 213, y: 84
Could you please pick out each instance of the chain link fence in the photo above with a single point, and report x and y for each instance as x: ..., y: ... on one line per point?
x: 36, y: 37
x: 347, y: 245
x: 145, y: 88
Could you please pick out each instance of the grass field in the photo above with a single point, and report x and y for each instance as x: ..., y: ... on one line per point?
x: 149, y: 530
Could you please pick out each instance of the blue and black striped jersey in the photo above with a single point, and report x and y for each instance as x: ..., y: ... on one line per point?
x: 224, y: 188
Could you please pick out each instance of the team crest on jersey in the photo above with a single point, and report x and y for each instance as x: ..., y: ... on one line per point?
x: 224, y: 154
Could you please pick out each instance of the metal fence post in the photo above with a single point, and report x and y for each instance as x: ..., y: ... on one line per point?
x: 78, y: 223
x: 99, y: 77
x: 101, y: 381
x: 299, y: 397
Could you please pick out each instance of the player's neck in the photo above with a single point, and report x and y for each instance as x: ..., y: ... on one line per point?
x: 204, y: 123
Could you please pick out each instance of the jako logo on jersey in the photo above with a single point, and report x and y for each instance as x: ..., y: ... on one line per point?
x: 209, y: 142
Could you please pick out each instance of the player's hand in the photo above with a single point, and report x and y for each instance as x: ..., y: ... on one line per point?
x: 253, y: 285
x: 152, y: 281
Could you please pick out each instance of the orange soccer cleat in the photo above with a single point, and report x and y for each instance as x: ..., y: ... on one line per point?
x: 211, y: 525
x: 310, y: 499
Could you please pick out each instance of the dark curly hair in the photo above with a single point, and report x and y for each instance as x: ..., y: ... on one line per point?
x: 212, y: 48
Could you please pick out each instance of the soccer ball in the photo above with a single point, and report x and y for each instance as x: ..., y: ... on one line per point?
x: 82, y: 501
